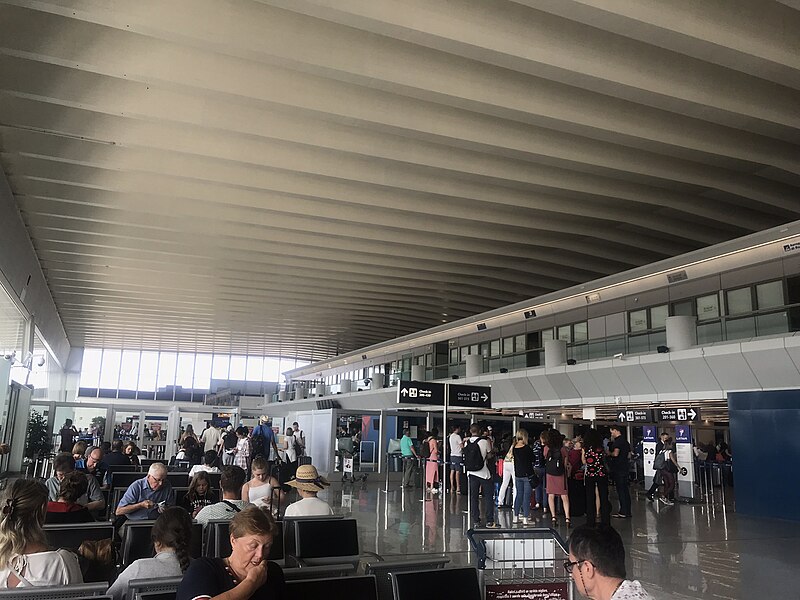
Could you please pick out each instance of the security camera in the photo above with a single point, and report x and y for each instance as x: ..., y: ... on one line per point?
x: 619, y: 355
x: 40, y: 361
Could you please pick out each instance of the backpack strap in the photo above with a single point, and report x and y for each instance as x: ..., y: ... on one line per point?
x: 232, y: 505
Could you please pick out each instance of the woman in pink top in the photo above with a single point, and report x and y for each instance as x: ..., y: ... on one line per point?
x: 432, y: 466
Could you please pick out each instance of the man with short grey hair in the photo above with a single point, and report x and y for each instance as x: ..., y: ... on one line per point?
x: 148, y: 496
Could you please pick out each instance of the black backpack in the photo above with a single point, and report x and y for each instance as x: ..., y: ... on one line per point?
x: 555, y: 463
x: 473, y: 457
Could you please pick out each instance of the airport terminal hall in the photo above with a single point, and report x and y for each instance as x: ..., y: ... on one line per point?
x: 399, y: 299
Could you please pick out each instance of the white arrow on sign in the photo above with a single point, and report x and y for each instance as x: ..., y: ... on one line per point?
x: 485, y: 397
x: 622, y: 417
x: 404, y: 392
x: 692, y: 414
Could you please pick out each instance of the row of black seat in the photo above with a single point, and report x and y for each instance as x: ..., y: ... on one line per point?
x: 462, y: 583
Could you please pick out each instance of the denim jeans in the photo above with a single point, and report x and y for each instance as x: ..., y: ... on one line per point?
x: 522, y: 486
x: 476, y: 484
x: 541, y: 489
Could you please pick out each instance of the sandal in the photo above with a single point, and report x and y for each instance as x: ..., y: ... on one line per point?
x: 555, y: 522
x: 569, y: 523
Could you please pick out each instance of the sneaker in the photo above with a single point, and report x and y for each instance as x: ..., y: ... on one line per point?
x: 650, y: 497
x: 477, y: 525
x: 435, y: 491
x: 492, y: 526
x: 515, y: 519
x: 663, y: 500
x: 524, y: 521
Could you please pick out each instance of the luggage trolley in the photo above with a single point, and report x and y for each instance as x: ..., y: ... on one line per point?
x: 522, y: 563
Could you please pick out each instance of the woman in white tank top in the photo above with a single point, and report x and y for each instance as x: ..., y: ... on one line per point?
x: 259, y: 490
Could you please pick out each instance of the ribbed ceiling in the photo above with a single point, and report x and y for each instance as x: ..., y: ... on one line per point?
x: 308, y: 176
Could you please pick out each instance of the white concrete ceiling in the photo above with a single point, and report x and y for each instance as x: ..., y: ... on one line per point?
x: 313, y: 176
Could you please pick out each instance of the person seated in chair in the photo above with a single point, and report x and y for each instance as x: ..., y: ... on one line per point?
x: 117, y: 458
x: 231, y: 484
x: 209, y: 464
x: 148, y: 496
x: 171, y: 534
x: 246, y: 573
x: 66, y: 508
x: 63, y: 465
x: 308, y: 484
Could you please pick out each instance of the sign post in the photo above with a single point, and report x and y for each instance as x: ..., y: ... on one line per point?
x: 682, y: 414
x: 684, y: 454
x: 649, y: 438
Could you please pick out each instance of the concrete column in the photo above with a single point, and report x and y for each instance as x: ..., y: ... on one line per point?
x: 282, y: 396
x: 320, y: 389
x: 681, y: 333
x: 346, y: 386
x: 299, y: 392
x: 474, y: 365
x: 555, y: 353
x: 417, y: 372
x: 377, y: 381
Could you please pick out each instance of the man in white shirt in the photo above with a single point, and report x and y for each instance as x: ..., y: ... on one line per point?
x: 299, y: 439
x: 308, y: 484
x: 209, y: 460
x: 210, y: 438
x: 456, y: 444
x: 597, y: 565
x: 231, y: 483
x: 479, y: 478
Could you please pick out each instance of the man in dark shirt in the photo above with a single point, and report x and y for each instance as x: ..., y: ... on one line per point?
x: 619, y: 451
x: 116, y: 457
x: 657, y: 475
x: 93, y: 465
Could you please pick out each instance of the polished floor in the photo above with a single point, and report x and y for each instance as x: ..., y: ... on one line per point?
x: 702, y: 550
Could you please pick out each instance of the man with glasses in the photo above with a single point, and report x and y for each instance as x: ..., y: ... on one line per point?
x: 597, y: 565
x: 63, y: 465
x: 148, y: 496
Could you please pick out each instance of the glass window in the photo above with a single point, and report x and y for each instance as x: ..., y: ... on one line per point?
x: 148, y: 369
x: 255, y: 368
x: 129, y: 370
x: 709, y: 333
x: 737, y: 329
x: 272, y: 371
x: 580, y: 331
x: 708, y: 307
x: 219, y: 368
x: 682, y: 309
x: 519, y: 343
x: 202, y: 372
x: 740, y: 301
x: 658, y: 316
x: 464, y: 352
x: 90, y: 368
x: 772, y: 323
x: 638, y: 343
x: 184, y: 371
x: 238, y: 368
x: 429, y: 360
x: 637, y: 320
x: 109, y: 372
x: 565, y: 333
x: 508, y: 345
x: 473, y: 349
x: 167, y: 361
x: 494, y: 348
x: 769, y: 295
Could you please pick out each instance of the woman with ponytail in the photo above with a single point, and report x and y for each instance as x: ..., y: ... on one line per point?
x: 171, y: 534
x: 25, y: 559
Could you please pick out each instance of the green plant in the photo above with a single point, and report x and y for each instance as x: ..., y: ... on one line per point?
x: 36, y: 442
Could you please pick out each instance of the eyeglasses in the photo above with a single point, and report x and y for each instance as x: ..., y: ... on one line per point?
x: 568, y: 564
x: 156, y: 479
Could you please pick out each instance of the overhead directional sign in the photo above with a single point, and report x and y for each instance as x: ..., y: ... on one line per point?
x: 686, y: 414
x: 469, y: 396
x: 420, y: 392
x: 635, y: 415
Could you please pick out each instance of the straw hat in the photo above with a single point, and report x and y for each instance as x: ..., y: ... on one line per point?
x: 308, y: 479
x: 263, y: 419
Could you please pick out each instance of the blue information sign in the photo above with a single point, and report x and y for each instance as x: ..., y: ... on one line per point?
x: 683, y: 434
x: 649, y: 433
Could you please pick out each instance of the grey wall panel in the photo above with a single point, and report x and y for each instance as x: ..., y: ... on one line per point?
x: 693, y: 371
x: 513, y: 329
x: 571, y: 316
x: 695, y: 287
x: 604, y: 308
x: 583, y: 381
x: 597, y: 328
x: 540, y: 323
x: 543, y: 387
x: 751, y: 274
x: 791, y: 264
x: 18, y: 261
x: 771, y: 363
x: 634, y: 378
x: 562, y: 384
x: 662, y: 374
x: 607, y: 380
x: 616, y: 324
x: 523, y: 387
x: 645, y: 299
x: 730, y: 368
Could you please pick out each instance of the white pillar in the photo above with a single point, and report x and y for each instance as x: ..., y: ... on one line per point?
x: 555, y: 353
x: 474, y: 365
x: 377, y: 381
x: 320, y: 389
x: 299, y: 391
x: 346, y: 386
x: 417, y: 372
x: 681, y: 333
x: 282, y: 396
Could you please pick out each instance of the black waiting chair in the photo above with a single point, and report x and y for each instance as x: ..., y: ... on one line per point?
x: 137, y: 542
x: 162, y: 585
x: 337, y: 588
x: 71, y: 536
x: 83, y: 591
x: 217, y: 538
x: 383, y: 569
x: 322, y: 542
x: 461, y: 583
x: 157, y: 595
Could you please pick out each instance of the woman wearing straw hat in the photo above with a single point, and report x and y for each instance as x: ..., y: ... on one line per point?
x: 308, y: 483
